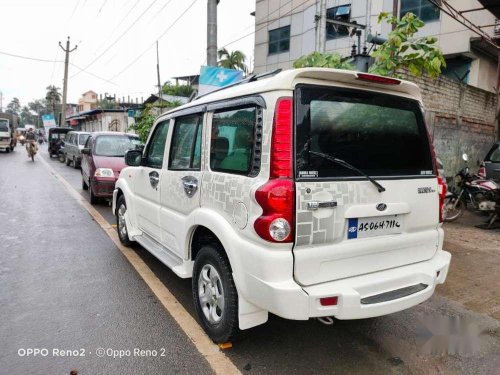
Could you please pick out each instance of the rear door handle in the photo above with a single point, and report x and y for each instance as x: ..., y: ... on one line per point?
x: 314, y: 205
x: 154, y: 178
x: 190, y: 184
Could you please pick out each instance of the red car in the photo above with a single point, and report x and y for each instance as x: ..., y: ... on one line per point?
x: 103, y: 160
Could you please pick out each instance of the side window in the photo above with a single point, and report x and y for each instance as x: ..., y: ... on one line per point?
x: 70, y: 139
x: 232, y: 140
x: 156, y: 147
x: 185, y: 150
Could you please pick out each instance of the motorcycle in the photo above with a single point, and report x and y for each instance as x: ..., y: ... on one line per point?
x: 479, y: 192
x: 31, y: 148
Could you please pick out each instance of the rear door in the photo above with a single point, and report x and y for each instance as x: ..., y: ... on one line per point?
x: 344, y: 225
x: 492, y: 163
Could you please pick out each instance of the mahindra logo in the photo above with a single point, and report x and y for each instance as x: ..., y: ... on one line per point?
x: 381, y: 206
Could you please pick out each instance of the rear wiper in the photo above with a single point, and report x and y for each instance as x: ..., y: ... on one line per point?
x: 345, y: 164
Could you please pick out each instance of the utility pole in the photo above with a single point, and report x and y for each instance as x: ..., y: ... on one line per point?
x: 65, y: 87
x: 212, y: 32
x: 159, y: 82
x: 1, y: 101
x: 321, y: 31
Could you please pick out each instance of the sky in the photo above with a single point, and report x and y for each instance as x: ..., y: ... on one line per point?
x: 116, y: 42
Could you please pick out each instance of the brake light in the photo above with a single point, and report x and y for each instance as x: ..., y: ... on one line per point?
x: 378, y: 79
x: 482, y: 170
x: 442, y: 196
x: 276, y: 197
x: 328, y: 301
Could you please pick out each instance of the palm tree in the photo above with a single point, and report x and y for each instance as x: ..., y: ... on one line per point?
x: 232, y: 60
x: 53, y: 98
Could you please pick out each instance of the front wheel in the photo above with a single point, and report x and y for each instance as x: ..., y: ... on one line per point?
x: 453, y: 208
x: 121, y: 224
x: 214, y: 294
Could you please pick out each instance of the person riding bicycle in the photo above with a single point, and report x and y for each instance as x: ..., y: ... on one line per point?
x: 31, y: 140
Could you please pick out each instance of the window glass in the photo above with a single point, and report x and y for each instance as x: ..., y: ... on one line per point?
x: 494, y: 156
x: 279, y: 40
x: 340, y: 13
x: 156, y: 146
x: 185, y: 150
x: 424, y: 9
x: 83, y: 138
x: 88, y: 144
x: 115, y: 145
x: 232, y: 140
x: 382, y: 135
x: 3, y: 126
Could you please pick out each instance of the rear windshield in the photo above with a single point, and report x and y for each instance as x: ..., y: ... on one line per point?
x: 115, y: 145
x: 82, y: 139
x: 382, y: 135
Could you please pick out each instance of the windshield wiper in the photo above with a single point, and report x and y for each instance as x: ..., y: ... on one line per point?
x: 345, y: 164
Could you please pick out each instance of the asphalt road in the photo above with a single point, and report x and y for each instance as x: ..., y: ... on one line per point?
x: 64, y: 284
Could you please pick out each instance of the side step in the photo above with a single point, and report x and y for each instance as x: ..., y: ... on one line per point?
x: 164, y: 255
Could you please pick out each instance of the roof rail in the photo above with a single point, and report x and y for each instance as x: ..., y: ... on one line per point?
x: 252, y: 78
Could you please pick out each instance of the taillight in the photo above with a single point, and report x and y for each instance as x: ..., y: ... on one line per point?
x: 378, y: 79
x: 442, y: 195
x: 482, y: 170
x: 276, y: 197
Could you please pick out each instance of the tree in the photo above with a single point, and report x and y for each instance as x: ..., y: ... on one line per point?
x: 232, y: 60
x: 27, y: 116
x: 323, y: 60
x: 14, y: 107
x: 53, y: 98
x: 177, y: 90
x: 401, y: 50
x: 145, y: 120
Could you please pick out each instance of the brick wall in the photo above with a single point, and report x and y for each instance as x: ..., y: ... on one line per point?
x: 461, y: 119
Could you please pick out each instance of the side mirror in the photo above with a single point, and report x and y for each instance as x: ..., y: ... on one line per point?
x: 465, y: 157
x: 133, y: 158
x: 86, y: 151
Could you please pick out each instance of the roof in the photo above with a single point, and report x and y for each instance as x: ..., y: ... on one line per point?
x: 95, y: 134
x: 492, y: 5
x: 288, y: 79
x: 89, y: 92
x: 82, y: 115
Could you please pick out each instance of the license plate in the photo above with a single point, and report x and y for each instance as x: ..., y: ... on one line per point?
x: 374, y: 226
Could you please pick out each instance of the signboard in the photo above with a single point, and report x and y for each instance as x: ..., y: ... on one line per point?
x: 48, y: 120
x: 213, y: 78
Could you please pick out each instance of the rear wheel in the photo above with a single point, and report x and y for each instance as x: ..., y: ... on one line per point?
x: 214, y: 294
x: 121, y: 224
x: 67, y: 160
x: 75, y: 163
x: 7, y: 150
x: 84, y: 184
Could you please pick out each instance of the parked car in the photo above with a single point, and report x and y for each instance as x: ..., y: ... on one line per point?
x: 56, y: 135
x: 73, y: 145
x: 102, y: 161
x: 311, y: 193
x: 491, y: 164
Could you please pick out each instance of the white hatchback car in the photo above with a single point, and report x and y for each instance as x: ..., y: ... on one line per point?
x: 308, y: 193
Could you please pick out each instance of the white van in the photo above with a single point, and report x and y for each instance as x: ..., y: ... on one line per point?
x: 5, y: 135
x: 308, y: 193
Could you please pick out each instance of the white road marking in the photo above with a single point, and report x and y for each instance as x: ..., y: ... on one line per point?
x: 217, y: 359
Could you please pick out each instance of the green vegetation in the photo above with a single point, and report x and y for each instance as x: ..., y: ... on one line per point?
x: 232, y: 60
x: 177, y: 90
x: 145, y: 120
x: 401, y: 50
x: 323, y: 60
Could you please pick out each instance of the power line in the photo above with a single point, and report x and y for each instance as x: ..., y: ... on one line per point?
x: 119, y: 37
x: 148, y: 48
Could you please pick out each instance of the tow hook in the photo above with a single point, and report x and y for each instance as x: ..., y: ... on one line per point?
x: 326, y: 320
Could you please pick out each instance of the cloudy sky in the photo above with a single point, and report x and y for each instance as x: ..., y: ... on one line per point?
x: 116, y: 43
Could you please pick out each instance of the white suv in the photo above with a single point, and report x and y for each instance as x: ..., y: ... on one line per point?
x: 308, y: 193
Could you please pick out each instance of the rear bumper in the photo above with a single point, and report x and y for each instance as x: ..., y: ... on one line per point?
x: 5, y: 143
x: 289, y: 300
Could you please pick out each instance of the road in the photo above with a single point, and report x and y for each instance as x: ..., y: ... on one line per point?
x: 65, y: 284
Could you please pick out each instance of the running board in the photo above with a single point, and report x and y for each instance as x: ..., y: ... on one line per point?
x: 164, y: 255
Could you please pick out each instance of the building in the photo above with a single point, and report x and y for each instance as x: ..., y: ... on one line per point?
x: 286, y: 30
x: 101, y: 120
x: 87, y: 102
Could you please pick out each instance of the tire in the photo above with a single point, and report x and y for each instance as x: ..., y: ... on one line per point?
x: 121, y: 225
x: 75, y: 164
x: 7, y: 150
x: 220, y: 324
x: 60, y: 157
x: 84, y: 184
x: 67, y: 160
x: 452, y: 214
x: 33, y: 157
x: 93, y: 198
